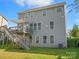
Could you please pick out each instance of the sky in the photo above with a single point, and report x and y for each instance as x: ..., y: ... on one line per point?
x: 10, y: 8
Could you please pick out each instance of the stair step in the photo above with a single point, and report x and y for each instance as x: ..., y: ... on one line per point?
x: 15, y: 38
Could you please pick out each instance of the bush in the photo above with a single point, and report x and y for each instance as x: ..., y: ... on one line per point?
x: 72, y: 42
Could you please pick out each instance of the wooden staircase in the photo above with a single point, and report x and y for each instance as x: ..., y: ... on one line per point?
x: 16, y: 39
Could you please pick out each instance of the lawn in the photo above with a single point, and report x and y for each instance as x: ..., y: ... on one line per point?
x: 39, y: 53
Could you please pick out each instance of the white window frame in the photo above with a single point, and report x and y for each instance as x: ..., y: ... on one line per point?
x: 52, y: 39
x: 35, y: 26
x: 51, y: 25
x: 44, y: 12
x: 45, y: 39
x: 39, y: 26
x: 60, y: 9
x: 37, y: 39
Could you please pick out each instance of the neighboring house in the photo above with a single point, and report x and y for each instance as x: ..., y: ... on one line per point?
x: 46, y: 25
x: 3, y: 22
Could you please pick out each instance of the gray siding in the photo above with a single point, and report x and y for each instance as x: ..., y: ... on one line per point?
x: 58, y: 31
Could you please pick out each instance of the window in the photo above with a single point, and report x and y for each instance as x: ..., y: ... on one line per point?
x: 21, y: 16
x: 30, y: 39
x: 44, y: 13
x: 29, y: 13
x: 44, y: 39
x: 25, y: 16
x: 37, y: 39
x: 52, y: 39
x: 60, y: 9
x: 35, y: 26
x: 39, y: 26
x: 51, y: 25
x: 31, y: 26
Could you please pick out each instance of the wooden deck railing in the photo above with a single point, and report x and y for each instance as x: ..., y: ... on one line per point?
x: 18, y: 29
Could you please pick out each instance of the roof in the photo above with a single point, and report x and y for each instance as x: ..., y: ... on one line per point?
x: 45, y: 7
x: 18, y: 21
x: 3, y: 17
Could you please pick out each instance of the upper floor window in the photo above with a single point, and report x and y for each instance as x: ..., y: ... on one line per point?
x: 44, y: 39
x: 44, y: 13
x: 51, y: 39
x: 31, y: 26
x: 60, y: 9
x: 51, y: 25
x: 29, y: 13
x: 26, y: 16
x: 39, y: 26
x: 35, y: 26
x: 21, y: 16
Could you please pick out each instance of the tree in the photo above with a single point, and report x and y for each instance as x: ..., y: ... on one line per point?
x: 75, y: 31
x: 74, y: 6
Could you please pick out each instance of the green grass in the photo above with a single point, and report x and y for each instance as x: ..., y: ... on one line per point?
x: 39, y: 53
x: 8, y: 51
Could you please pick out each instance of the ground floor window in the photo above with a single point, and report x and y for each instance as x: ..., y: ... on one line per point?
x: 31, y: 39
x: 44, y: 39
x: 37, y: 39
x: 51, y: 39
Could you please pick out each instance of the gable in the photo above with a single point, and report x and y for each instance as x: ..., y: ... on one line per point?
x: 3, y: 21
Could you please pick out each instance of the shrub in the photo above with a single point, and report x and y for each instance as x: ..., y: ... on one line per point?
x: 72, y: 42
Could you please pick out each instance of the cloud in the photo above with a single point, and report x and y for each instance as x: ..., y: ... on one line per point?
x: 20, y: 2
x: 34, y: 2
